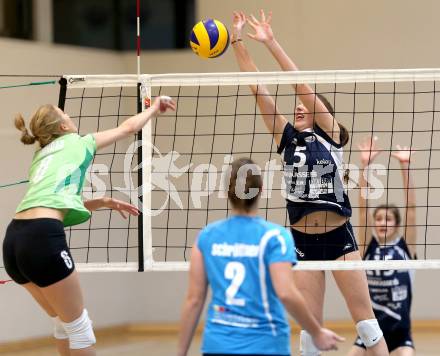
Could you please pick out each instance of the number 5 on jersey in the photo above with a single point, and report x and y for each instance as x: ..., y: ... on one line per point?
x: 301, y: 156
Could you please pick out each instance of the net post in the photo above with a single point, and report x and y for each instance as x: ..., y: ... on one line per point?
x: 139, y: 176
x: 63, y: 92
x: 146, y: 158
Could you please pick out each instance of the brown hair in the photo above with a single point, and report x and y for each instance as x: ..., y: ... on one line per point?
x: 392, y: 208
x: 44, y: 125
x: 241, y: 183
x: 344, y: 135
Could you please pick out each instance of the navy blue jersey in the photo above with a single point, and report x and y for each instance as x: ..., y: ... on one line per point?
x: 313, y: 173
x: 390, y: 291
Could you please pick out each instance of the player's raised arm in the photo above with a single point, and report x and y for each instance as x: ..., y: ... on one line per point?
x: 403, y: 155
x: 368, y: 152
x: 274, y: 121
x: 264, y: 34
x: 135, y: 123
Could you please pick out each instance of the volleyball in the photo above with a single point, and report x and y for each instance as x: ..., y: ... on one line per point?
x: 209, y: 38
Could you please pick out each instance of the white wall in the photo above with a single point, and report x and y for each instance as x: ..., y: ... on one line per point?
x: 320, y: 34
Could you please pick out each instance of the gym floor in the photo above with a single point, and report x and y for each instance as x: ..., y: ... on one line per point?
x: 427, y: 344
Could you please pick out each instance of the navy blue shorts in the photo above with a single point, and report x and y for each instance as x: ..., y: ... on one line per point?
x: 328, y: 246
x: 394, y: 339
x: 35, y: 250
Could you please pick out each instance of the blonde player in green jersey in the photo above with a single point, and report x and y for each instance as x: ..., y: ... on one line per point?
x: 35, y: 251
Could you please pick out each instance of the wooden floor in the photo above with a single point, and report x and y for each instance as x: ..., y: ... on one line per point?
x: 427, y: 344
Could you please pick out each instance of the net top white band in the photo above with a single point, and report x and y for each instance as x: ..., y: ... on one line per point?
x: 246, y: 78
x: 302, y: 266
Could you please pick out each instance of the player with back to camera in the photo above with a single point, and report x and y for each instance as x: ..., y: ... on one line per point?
x: 35, y: 250
x: 318, y: 207
x: 382, y: 239
x: 247, y: 261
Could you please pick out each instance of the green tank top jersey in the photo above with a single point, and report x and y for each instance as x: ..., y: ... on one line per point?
x: 57, y: 176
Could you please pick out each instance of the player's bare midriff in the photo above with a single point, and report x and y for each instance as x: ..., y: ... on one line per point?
x: 40, y: 212
x: 319, y: 222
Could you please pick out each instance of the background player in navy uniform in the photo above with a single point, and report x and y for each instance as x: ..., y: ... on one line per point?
x: 319, y: 210
x: 247, y: 262
x: 381, y: 239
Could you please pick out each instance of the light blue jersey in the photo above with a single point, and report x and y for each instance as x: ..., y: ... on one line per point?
x: 245, y: 316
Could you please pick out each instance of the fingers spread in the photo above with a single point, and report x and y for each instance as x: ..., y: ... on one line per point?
x: 253, y: 20
x: 262, y: 15
x: 269, y: 17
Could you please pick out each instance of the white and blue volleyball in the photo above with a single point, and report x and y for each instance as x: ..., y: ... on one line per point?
x: 209, y: 38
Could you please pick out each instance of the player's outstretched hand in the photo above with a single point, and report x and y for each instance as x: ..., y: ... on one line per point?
x: 263, y: 30
x: 368, y: 150
x: 403, y: 154
x: 122, y: 207
x: 238, y: 22
x: 327, y: 340
x: 163, y: 103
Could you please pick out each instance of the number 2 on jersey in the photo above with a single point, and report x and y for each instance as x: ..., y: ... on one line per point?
x: 235, y: 271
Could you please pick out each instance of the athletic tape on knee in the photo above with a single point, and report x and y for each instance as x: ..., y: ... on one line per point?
x: 306, y: 346
x: 369, y: 331
x: 58, y: 329
x: 80, y: 332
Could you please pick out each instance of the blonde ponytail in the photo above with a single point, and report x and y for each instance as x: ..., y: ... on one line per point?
x: 45, y: 126
x: 26, y: 138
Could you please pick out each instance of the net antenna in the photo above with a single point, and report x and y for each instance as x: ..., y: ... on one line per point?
x: 138, y: 36
x: 184, y: 156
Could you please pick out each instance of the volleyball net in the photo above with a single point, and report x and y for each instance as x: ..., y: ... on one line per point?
x: 175, y: 169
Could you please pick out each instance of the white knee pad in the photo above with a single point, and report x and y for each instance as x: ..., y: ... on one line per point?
x: 80, y: 332
x: 369, y: 331
x: 306, y: 346
x: 58, y: 329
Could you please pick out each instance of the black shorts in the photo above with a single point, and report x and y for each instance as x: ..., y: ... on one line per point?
x: 328, y: 246
x: 36, y: 250
x: 394, y: 339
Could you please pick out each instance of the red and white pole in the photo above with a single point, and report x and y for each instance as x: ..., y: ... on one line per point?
x: 138, y: 25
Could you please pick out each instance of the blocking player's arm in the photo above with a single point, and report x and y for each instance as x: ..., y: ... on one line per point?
x: 365, y: 231
x: 133, y: 124
x: 274, y: 121
x: 194, y: 301
x: 282, y: 279
x: 322, y: 117
x: 368, y: 152
x: 410, y: 212
x: 403, y: 154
